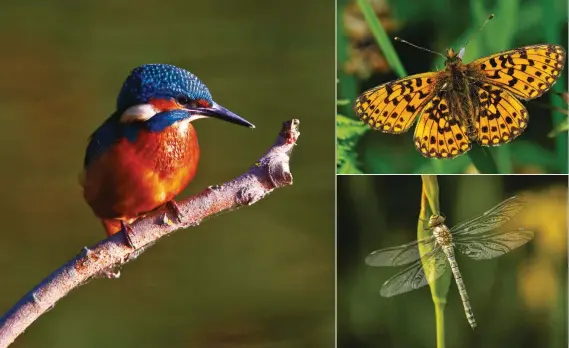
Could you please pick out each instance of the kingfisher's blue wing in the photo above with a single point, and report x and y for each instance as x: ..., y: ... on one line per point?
x: 103, y: 138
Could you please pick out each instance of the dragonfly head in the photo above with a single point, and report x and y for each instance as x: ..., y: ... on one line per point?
x: 436, y: 220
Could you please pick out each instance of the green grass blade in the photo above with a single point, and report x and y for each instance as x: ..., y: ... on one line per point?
x: 560, y: 128
x: 381, y: 37
x: 504, y: 159
x: 431, y: 189
x: 347, y: 88
x: 440, y: 287
x: 483, y: 160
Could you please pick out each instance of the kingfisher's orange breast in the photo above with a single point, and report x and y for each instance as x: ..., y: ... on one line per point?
x: 133, y: 178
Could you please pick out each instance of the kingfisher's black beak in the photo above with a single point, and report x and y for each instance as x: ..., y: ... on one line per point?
x: 219, y: 112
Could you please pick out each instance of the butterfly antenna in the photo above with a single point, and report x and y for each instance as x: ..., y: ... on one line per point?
x: 419, y: 47
x: 479, y: 30
x: 563, y: 95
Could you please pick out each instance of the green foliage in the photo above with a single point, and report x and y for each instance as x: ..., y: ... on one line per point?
x: 555, y: 19
x: 527, y: 153
x: 348, y: 132
x: 560, y: 128
x: 482, y: 158
x: 456, y: 166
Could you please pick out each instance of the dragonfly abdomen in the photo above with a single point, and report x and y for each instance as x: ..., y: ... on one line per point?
x: 449, y: 252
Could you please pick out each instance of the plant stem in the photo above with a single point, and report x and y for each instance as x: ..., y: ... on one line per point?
x: 439, y: 287
x: 440, y: 320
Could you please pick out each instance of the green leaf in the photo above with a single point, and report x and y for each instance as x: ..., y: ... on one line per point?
x: 560, y: 128
x: 482, y: 159
x: 347, y: 128
x: 504, y: 161
x: 455, y: 166
x: 524, y: 152
x: 431, y: 190
x: 552, y: 20
x: 439, y: 287
x: 349, y: 133
x: 348, y: 164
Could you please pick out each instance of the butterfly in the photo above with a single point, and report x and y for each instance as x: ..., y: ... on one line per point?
x: 464, y: 103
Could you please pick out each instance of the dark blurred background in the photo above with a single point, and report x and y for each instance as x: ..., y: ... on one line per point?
x: 262, y: 276
x: 519, y: 299
x: 438, y: 25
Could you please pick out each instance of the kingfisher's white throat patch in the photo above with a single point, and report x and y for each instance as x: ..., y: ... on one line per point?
x: 144, y: 112
x: 182, y: 126
x: 140, y: 112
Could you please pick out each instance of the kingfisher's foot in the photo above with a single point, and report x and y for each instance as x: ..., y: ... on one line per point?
x: 175, y: 209
x: 128, y: 231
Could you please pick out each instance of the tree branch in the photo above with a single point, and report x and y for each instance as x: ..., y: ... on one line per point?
x: 269, y: 172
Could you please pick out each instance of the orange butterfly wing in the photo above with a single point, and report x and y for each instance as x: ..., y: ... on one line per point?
x: 440, y: 133
x: 526, y: 72
x: 393, y: 106
x: 501, y: 117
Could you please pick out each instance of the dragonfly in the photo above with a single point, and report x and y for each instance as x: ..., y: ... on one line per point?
x: 475, y: 238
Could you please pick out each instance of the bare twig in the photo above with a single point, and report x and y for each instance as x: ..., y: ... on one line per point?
x: 269, y: 172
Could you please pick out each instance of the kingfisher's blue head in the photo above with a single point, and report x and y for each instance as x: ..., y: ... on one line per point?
x: 154, y: 97
x: 161, y: 94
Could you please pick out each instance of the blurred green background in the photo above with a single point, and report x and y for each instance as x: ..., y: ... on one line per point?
x: 259, y: 277
x: 438, y: 25
x: 518, y: 299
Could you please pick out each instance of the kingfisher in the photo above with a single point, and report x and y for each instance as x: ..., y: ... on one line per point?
x: 146, y: 152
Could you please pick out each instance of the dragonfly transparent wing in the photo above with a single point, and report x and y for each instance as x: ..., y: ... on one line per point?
x: 491, y: 219
x: 414, y: 277
x: 490, y: 245
x: 399, y: 255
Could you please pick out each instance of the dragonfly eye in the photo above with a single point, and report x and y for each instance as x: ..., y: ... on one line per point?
x: 436, y: 220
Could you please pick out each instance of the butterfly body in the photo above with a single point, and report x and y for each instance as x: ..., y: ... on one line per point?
x: 464, y: 103
x: 457, y: 84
